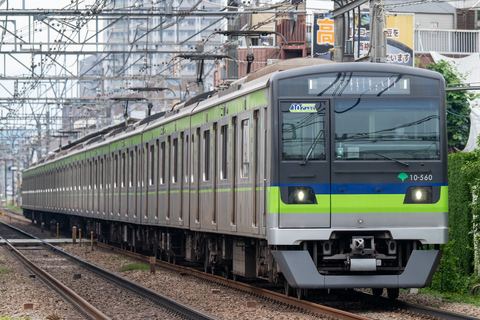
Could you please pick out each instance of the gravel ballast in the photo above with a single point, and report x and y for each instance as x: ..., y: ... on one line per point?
x: 18, y: 288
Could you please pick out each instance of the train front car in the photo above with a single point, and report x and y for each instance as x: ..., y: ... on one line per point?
x: 360, y: 182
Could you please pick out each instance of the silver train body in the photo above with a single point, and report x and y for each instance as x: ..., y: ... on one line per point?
x: 289, y: 176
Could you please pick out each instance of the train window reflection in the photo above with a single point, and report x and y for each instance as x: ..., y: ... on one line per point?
x: 124, y: 167
x: 245, y: 148
x: 131, y: 168
x: 115, y: 181
x: 164, y: 158
x: 224, y: 152
x: 303, y: 135
x: 175, y: 161
x: 152, y: 165
x: 375, y: 130
x: 206, y: 153
x: 185, y: 158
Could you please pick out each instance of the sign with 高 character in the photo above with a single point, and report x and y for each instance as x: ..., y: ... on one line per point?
x: 323, y: 35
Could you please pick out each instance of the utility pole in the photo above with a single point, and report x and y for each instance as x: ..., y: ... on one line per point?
x: 200, y: 66
x: 47, y: 133
x: 339, y: 40
x: 378, y: 38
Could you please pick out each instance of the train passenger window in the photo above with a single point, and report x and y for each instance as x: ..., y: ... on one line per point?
x: 185, y: 159
x: 157, y: 158
x: 152, y: 165
x: 101, y: 174
x: 192, y: 169
x: 224, y: 152
x: 147, y: 161
x: 90, y: 182
x: 123, y: 167
x: 80, y: 177
x: 206, y: 153
x: 75, y: 175
x: 115, y: 168
x: 95, y: 184
x: 163, y: 157
x: 245, y: 148
x: 175, y: 160
x: 108, y: 173
x: 138, y: 151
x: 131, y: 162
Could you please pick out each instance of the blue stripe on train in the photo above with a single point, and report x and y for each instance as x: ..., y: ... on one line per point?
x: 359, y: 188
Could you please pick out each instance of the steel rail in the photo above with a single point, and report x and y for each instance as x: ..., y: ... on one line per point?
x: 441, y: 314
x: 78, y: 302
x: 267, y: 294
x: 309, y: 306
x: 175, y: 307
x: 414, y: 308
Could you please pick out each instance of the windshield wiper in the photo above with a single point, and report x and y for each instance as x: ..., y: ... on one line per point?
x: 310, y: 150
x: 388, y: 158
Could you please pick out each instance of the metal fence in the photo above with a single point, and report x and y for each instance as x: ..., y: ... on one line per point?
x: 446, y: 41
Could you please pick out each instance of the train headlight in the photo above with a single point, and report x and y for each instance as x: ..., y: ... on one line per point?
x: 301, y: 195
x: 419, y: 195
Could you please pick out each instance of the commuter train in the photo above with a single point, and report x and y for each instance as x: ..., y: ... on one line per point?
x: 314, y: 173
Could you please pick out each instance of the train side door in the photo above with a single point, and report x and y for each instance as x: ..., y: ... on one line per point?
x: 304, y: 165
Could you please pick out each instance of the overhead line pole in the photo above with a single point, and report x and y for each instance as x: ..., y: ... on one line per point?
x: 378, y: 39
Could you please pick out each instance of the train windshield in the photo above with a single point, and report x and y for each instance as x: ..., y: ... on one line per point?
x: 398, y: 128
x: 303, y: 131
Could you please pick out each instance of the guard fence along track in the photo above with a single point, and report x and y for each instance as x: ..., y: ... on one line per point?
x: 173, y: 309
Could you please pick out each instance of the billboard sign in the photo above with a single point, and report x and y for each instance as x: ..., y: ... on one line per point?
x: 323, y: 35
x: 399, y: 29
x: 400, y: 35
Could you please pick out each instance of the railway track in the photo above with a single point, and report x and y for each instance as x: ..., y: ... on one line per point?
x: 264, y: 293
x: 402, y: 307
x: 93, y: 285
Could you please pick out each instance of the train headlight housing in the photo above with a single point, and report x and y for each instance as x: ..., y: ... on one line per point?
x: 419, y: 195
x: 301, y: 195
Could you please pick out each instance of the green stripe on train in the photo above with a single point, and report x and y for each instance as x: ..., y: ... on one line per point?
x: 385, y: 203
x: 356, y: 203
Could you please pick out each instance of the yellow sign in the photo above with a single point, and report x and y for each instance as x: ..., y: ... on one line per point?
x: 400, y: 35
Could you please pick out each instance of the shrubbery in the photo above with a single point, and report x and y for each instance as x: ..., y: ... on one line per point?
x: 451, y: 277
x: 457, y: 264
x: 456, y: 273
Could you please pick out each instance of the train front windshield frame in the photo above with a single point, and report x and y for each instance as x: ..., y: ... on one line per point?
x: 374, y: 115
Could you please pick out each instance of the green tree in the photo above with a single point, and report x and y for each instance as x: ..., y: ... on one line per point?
x: 458, y: 105
x: 471, y: 168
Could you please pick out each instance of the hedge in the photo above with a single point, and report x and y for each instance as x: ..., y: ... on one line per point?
x: 461, y: 213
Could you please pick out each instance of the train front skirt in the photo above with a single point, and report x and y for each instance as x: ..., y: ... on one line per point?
x: 300, y: 272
